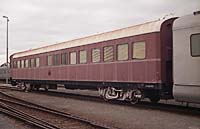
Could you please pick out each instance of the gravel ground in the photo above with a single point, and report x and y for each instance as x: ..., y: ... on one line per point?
x: 116, y: 115
x: 8, y: 123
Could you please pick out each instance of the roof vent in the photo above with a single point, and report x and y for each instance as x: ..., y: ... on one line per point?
x: 196, y: 13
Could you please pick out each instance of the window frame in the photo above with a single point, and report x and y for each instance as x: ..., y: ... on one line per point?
x: 36, y: 62
x: 132, y: 49
x: 80, y: 56
x: 117, y: 52
x: 22, y: 63
x: 47, y: 60
x: 191, y: 45
x: 18, y: 64
x: 113, y: 53
x: 99, y: 55
x: 70, y: 57
x: 61, y: 58
x: 56, y: 60
x: 14, y: 64
x: 27, y: 66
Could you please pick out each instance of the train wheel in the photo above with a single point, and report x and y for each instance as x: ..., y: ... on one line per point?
x: 46, y: 88
x: 105, y: 95
x: 37, y: 88
x: 135, y: 100
x: 136, y: 97
x: 29, y: 87
x: 22, y: 86
x: 110, y: 94
x: 154, y: 99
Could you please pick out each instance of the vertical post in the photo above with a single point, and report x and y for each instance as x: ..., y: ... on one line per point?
x: 7, y: 53
x: 6, y: 50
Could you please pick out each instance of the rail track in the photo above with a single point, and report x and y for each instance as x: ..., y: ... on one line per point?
x: 6, y: 109
x: 10, y: 88
x: 44, y: 117
x: 179, y: 109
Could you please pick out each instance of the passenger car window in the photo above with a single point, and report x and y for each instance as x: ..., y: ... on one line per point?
x: 72, y: 57
x: 18, y: 64
x: 63, y: 58
x: 82, y: 57
x: 108, y: 54
x: 26, y: 63
x: 122, y: 52
x: 195, y: 45
x: 32, y: 62
x: 49, y: 60
x: 96, y: 55
x: 56, y: 59
x: 37, y: 61
x: 139, y: 50
x: 22, y: 63
x: 15, y: 64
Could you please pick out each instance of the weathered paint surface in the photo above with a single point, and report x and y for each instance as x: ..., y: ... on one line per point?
x: 147, y: 70
x: 152, y: 69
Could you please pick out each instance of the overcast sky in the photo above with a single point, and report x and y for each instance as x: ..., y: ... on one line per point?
x: 35, y: 23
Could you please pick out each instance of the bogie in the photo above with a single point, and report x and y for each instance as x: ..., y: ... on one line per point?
x: 111, y: 93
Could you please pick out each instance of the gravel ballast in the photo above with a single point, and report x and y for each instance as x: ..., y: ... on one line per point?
x: 126, y: 117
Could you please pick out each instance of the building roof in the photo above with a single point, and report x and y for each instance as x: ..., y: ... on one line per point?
x: 148, y: 27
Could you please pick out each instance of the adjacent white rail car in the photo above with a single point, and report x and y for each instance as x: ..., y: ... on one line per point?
x: 186, y: 58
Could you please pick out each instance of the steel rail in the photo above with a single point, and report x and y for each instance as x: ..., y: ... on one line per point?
x: 11, y: 88
x: 178, y: 109
x: 53, y: 111
x: 25, y: 117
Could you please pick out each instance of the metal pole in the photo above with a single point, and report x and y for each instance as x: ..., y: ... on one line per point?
x: 7, y: 53
x: 6, y: 49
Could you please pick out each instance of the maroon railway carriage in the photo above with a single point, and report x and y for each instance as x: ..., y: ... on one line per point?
x: 126, y: 64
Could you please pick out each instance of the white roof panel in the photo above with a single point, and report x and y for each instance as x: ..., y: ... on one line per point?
x: 125, y: 32
x: 186, y: 21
